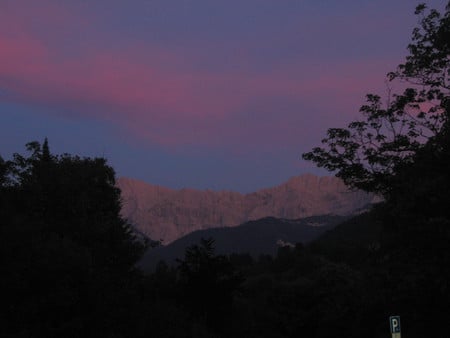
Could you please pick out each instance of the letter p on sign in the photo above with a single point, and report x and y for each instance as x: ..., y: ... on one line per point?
x: 394, y: 322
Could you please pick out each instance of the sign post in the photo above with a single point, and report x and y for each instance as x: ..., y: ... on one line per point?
x: 394, y: 322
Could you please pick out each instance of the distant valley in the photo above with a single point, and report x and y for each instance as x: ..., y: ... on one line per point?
x: 167, y: 214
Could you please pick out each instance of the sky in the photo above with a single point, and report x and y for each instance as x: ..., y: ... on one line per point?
x: 220, y: 95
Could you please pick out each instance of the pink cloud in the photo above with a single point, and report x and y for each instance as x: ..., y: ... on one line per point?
x: 154, y: 93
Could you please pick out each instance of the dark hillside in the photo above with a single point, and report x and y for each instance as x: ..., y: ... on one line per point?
x: 352, y: 240
x: 259, y: 237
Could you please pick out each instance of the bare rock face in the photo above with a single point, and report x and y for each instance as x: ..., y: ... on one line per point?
x: 168, y: 214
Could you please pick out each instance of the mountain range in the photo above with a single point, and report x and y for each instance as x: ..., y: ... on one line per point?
x: 168, y: 214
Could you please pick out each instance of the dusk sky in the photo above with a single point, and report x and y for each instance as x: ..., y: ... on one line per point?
x: 207, y: 94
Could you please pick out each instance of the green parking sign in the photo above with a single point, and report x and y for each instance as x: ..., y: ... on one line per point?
x: 394, y: 322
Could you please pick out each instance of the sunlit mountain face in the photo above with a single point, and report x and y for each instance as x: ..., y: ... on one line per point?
x: 168, y: 214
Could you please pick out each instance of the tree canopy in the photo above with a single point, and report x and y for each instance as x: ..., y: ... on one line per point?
x: 370, y: 151
x: 66, y: 252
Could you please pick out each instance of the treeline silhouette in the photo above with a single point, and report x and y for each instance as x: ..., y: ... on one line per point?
x: 68, y: 264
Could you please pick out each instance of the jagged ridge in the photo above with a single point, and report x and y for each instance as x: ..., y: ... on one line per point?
x: 168, y: 214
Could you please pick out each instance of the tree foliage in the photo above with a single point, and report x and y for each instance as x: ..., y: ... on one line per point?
x: 403, y: 152
x: 208, y: 283
x: 369, y: 152
x: 66, y: 253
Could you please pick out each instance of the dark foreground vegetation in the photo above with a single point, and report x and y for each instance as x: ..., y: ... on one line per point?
x: 68, y: 258
x: 68, y: 265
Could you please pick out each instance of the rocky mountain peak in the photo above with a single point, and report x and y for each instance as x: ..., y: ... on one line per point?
x: 168, y: 214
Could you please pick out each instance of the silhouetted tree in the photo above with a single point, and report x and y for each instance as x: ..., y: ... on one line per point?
x: 3, y: 171
x: 67, y: 255
x: 403, y: 152
x: 46, y: 157
x: 367, y: 154
x: 208, y: 284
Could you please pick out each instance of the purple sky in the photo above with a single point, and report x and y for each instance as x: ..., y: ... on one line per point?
x: 193, y: 93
